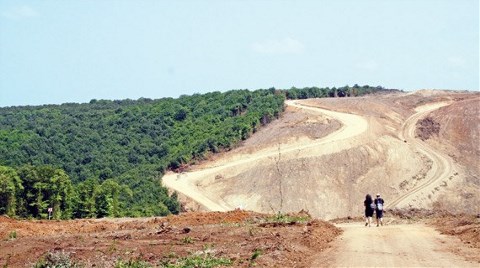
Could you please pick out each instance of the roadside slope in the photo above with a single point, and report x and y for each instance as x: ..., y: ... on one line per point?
x: 442, y: 169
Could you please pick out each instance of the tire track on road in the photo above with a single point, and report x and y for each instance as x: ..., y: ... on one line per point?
x: 442, y: 166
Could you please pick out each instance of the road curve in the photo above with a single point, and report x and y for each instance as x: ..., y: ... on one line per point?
x: 442, y: 165
x: 188, y: 183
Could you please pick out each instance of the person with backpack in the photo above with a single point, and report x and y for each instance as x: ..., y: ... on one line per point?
x: 379, y: 203
x: 369, y: 208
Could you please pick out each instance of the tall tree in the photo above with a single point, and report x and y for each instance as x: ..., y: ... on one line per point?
x: 10, y: 188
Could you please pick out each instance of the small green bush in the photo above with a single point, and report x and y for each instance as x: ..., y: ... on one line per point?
x: 57, y: 259
x: 12, y: 235
x: 285, y: 218
x: 187, y: 240
x: 133, y: 263
x: 198, y: 261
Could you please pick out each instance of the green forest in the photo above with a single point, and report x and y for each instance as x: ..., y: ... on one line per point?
x: 106, y: 158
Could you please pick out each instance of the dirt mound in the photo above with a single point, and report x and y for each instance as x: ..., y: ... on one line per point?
x: 203, y: 218
x: 466, y: 227
x: 426, y: 128
x: 243, y: 238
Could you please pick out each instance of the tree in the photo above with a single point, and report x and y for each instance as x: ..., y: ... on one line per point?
x: 10, y: 187
x: 61, y: 194
x: 85, y: 206
x: 108, y: 198
x: 44, y: 187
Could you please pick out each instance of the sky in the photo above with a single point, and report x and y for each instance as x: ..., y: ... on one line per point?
x: 53, y: 52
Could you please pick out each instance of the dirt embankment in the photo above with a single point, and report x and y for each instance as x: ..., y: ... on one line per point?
x: 245, y: 238
x: 458, y: 137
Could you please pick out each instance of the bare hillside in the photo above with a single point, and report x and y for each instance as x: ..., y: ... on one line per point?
x: 324, y: 155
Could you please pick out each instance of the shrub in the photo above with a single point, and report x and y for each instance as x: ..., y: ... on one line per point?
x: 57, y: 259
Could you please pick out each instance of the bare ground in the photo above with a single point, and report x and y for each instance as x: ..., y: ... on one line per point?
x: 235, y: 235
x: 413, y: 245
x: 408, y: 238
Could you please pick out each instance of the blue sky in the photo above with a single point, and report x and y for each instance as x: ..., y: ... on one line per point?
x: 53, y: 52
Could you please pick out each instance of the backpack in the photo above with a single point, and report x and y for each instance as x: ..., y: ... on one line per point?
x: 379, y: 205
x: 372, y: 205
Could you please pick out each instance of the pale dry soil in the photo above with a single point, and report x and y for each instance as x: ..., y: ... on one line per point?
x: 402, y: 245
x: 369, y: 152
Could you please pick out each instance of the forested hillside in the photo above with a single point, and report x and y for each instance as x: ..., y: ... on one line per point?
x: 129, y: 143
x: 106, y: 158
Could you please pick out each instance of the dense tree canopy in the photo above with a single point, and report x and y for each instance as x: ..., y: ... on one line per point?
x: 116, y: 150
x: 346, y: 91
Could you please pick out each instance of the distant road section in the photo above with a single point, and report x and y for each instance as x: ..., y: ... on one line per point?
x: 442, y: 165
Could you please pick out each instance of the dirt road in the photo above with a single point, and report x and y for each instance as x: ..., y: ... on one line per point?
x: 188, y: 183
x: 442, y: 165
x: 403, y: 245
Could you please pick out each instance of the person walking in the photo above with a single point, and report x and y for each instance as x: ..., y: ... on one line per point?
x: 379, y: 203
x: 369, y: 207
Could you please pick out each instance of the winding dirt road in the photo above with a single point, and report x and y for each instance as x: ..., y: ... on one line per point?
x: 352, y: 125
x: 187, y: 183
x: 405, y: 245
x: 387, y: 246
x: 442, y: 165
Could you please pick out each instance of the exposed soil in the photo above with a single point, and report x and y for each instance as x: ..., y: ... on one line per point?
x: 286, y: 168
x: 409, y: 237
x: 426, y: 128
x: 235, y: 235
x: 396, y: 245
x: 466, y: 227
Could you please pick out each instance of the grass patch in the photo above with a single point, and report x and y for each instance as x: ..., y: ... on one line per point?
x: 198, y: 261
x: 133, y: 263
x: 187, y: 240
x: 12, y: 235
x: 287, y: 218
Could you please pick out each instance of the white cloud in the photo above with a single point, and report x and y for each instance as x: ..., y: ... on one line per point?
x: 283, y: 46
x: 369, y: 65
x: 456, y: 61
x: 20, y: 12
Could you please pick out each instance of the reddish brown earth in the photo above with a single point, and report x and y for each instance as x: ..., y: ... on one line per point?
x: 235, y: 235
